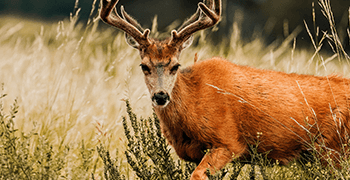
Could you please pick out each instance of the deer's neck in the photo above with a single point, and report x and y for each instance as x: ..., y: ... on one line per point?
x: 179, y: 111
x: 178, y: 105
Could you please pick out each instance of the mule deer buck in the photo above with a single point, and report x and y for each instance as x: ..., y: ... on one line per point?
x: 219, y: 106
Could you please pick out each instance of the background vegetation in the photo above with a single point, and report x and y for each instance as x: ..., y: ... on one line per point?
x: 65, y: 86
x: 274, y: 19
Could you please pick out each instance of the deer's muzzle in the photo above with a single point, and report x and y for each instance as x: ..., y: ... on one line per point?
x: 160, y: 99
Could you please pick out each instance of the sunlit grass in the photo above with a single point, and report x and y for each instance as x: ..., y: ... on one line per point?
x: 71, y: 80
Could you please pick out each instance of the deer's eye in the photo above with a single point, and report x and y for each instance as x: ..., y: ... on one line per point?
x: 174, y: 69
x: 145, y: 69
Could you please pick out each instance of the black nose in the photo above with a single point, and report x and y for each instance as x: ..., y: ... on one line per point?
x: 160, y: 98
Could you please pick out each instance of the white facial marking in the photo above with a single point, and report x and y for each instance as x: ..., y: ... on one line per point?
x: 160, y: 82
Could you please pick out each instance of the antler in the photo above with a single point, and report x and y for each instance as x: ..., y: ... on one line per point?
x: 198, y: 21
x: 132, y: 27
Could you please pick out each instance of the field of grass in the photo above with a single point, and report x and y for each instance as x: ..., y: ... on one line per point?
x: 64, y: 87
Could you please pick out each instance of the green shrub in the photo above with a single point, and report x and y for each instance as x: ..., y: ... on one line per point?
x: 111, y: 168
x: 150, y: 157
x: 18, y: 158
x: 33, y: 156
x: 147, y: 152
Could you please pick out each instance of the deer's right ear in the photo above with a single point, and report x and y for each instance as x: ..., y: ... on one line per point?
x: 188, y: 42
x: 131, y: 41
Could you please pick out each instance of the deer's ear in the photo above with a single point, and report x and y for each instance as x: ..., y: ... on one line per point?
x: 131, y: 41
x: 188, y: 42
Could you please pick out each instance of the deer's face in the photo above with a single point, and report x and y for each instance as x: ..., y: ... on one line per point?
x: 160, y: 66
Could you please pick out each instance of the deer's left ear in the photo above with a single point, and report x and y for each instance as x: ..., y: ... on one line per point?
x: 131, y: 41
x: 188, y: 42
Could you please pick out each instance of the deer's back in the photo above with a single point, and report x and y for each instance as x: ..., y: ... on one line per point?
x: 237, y: 102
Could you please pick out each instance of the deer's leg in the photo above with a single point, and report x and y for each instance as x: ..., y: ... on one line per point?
x: 214, y: 160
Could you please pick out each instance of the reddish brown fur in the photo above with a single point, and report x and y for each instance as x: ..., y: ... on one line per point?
x: 219, y: 105
x: 159, y: 50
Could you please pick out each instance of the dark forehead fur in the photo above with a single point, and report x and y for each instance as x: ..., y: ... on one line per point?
x: 159, y: 51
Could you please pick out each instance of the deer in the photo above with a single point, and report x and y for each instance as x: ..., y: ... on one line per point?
x: 211, y: 111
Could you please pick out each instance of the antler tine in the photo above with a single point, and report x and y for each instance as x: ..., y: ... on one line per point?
x: 131, y: 20
x: 196, y: 22
x: 133, y: 28
x: 192, y: 19
x: 208, y: 3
